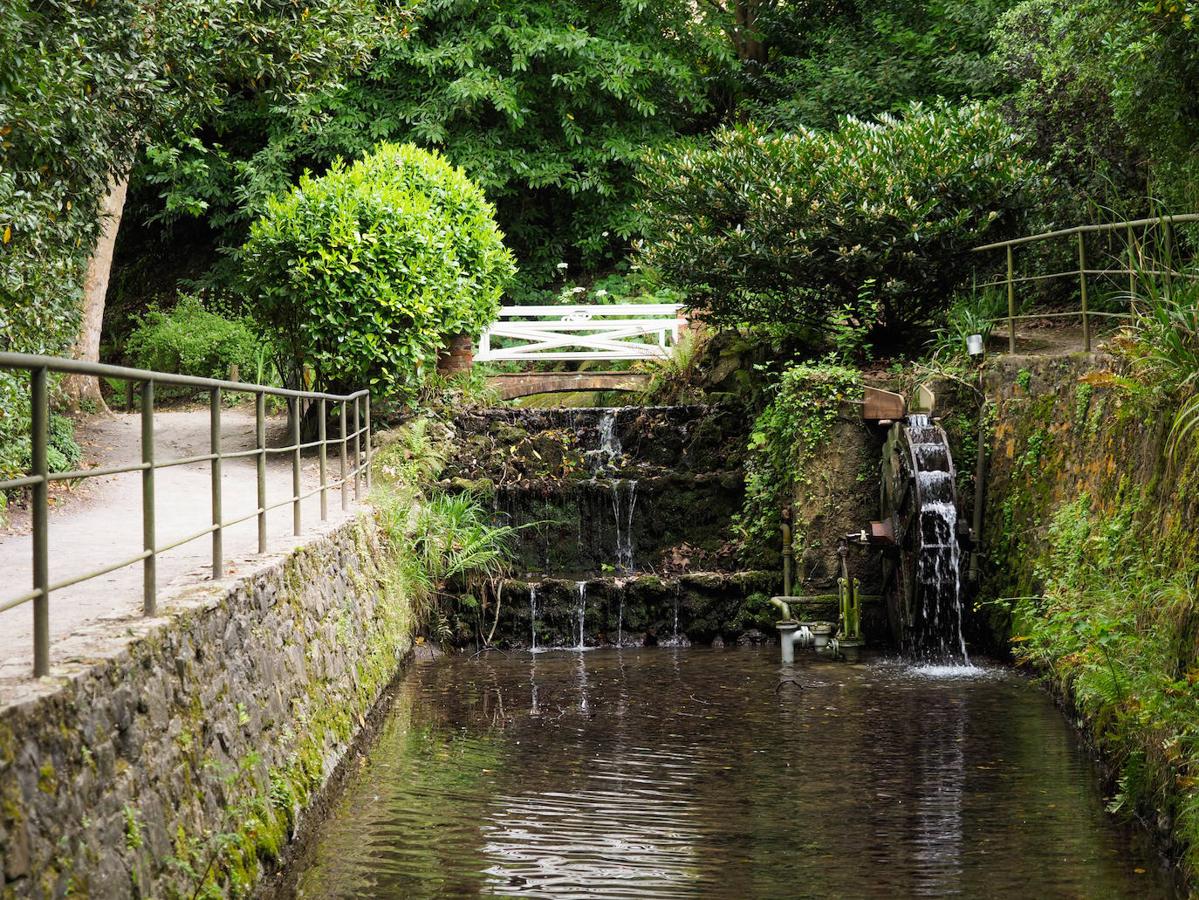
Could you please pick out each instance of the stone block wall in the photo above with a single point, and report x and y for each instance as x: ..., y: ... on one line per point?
x: 175, y: 756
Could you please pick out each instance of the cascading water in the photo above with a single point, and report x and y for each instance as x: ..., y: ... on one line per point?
x: 533, y: 614
x: 938, y: 575
x: 624, y: 501
x: 607, y: 453
x: 581, y: 587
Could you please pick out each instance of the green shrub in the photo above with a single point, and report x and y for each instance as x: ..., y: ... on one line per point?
x: 62, y: 453
x: 869, y: 224
x: 789, y: 431
x: 192, y: 340
x: 365, y: 271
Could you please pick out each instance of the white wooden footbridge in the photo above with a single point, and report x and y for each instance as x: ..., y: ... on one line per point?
x: 627, y: 331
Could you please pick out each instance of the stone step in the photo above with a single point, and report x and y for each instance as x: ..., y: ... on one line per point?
x: 694, y: 608
x: 572, y: 526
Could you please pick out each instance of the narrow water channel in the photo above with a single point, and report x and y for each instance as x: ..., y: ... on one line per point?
x: 713, y: 773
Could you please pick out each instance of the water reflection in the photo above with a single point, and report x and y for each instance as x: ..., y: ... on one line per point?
x: 697, y: 773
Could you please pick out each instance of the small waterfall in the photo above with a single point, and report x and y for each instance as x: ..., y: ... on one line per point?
x: 938, y: 572
x: 620, y: 618
x: 624, y: 501
x: 533, y: 614
x: 608, y: 453
x: 581, y: 587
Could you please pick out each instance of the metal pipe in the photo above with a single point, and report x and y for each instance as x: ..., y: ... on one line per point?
x: 1011, y: 304
x: 260, y: 464
x: 784, y: 607
x: 788, y: 560
x: 322, y: 427
x: 1168, y: 233
x: 980, y: 490
x: 293, y: 407
x: 1082, y: 284
x: 345, y: 486
x: 357, y: 456
x: 39, y: 446
x: 150, y: 563
x: 31, y: 361
x: 214, y: 444
x: 1077, y: 229
x: 366, y: 431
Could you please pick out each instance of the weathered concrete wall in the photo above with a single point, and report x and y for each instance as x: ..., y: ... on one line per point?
x: 182, y: 752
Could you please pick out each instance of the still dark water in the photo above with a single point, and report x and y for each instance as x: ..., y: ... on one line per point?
x: 714, y: 773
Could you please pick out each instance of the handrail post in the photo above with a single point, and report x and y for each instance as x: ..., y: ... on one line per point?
x: 323, y: 437
x: 294, y: 415
x: 345, y: 474
x: 1011, y: 303
x: 1082, y: 283
x: 39, y: 442
x: 214, y: 425
x: 260, y: 460
x: 1168, y: 232
x: 366, y: 405
x: 150, y: 563
x: 357, y: 453
x: 1132, y: 267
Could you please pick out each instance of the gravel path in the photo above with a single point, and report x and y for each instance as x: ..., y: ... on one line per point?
x: 100, y: 521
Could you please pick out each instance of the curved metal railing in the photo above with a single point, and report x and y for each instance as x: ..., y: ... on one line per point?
x: 1138, y: 266
x: 352, y: 444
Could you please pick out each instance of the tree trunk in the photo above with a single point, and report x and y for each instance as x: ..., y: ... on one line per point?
x: 83, y: 389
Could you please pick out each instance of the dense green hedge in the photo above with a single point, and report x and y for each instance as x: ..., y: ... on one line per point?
x: 870, y: 222
x: 365, y: 271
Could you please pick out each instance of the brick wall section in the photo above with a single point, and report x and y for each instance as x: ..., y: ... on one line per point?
x: 458, y: 355
x: 217, y: 722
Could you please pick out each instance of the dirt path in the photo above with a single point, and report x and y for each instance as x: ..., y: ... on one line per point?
x: 101, y: 522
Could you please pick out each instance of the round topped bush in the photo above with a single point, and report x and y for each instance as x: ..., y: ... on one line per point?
x: 364, y: 271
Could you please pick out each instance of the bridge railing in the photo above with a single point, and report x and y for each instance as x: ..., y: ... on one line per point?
x: 353, y: 445
x: 616, y: 331
x: 1149, y: 251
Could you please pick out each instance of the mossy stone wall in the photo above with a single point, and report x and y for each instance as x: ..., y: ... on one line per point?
x: 178, y: 762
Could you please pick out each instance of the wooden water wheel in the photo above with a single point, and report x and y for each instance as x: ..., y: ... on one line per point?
x: 921, y: 579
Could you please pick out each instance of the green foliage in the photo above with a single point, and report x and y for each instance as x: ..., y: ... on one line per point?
x: 193, y: 340
x: 677, y: 379
x: 870, y: 224
x: 855, y: 58
x: 83, y: 85
x: 786, y: 436
x: 1115, y: 629
x: 1162, y: 347
x: 1107, y: 87
x: 547, y: 105
x: 969, y: 313
x: 448, y: 552
x: 63, y: 454
x: 365, y: 271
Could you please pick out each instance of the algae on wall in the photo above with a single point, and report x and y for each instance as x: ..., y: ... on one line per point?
x: 181, y: 763
x: 1092, y: 571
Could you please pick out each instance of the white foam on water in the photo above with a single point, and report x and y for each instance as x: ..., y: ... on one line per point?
x: 952, y: 671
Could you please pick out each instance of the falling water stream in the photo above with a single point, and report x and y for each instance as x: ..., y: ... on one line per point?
x: 581, y: 587
x: 533, y: 615
x: 938, y: 566
x: 713, y: 773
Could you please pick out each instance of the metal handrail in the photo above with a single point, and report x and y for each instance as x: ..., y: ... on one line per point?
x: 356, y: 441
x: 1165, y: 222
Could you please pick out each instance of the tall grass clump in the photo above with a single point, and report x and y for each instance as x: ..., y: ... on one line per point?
x: 447, y: 557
